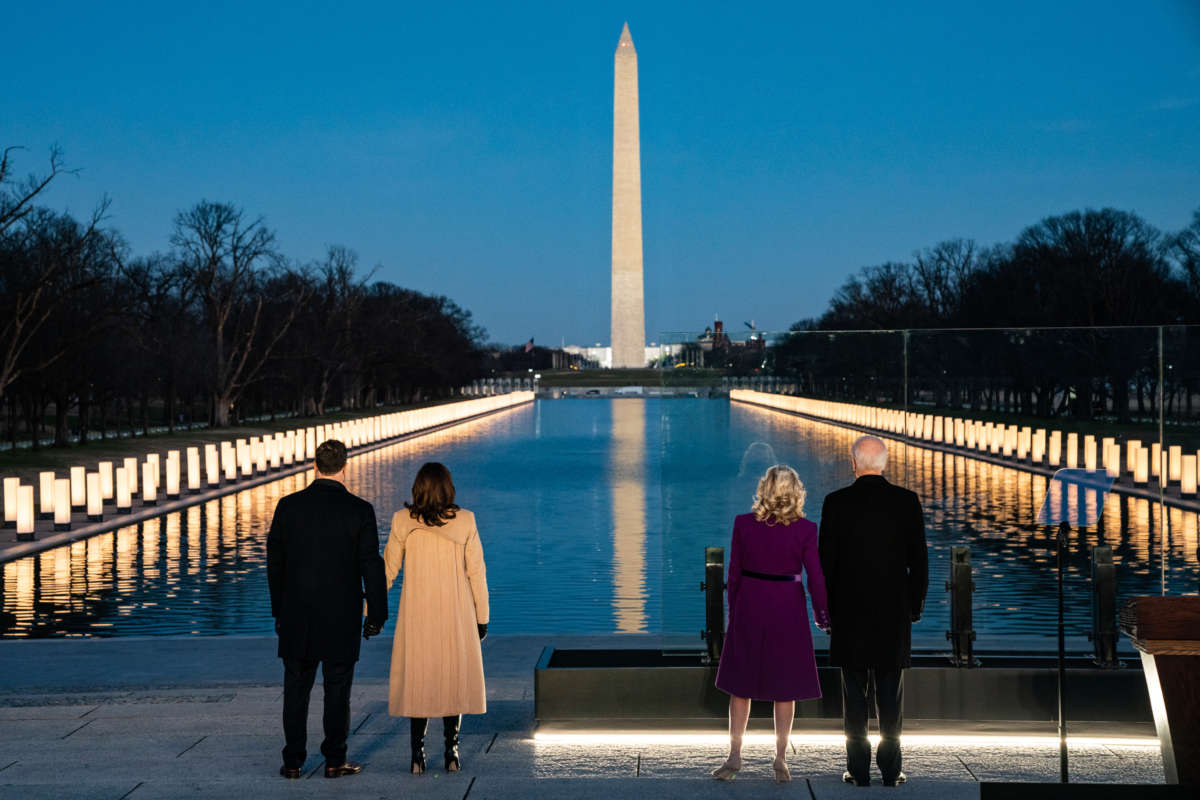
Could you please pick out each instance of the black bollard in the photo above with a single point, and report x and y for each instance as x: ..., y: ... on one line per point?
x: 1104, y: 608
x: 714, y: 603
x: 961, y: 587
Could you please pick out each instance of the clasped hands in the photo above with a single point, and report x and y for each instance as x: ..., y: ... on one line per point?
x: 374, y: 628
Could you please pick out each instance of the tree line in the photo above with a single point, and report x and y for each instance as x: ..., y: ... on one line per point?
x: 1062, y: 303
x: 220, y: 327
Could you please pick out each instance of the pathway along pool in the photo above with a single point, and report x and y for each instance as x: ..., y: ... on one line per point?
x: 594, y: 515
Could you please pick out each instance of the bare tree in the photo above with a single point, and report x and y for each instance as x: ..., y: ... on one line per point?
x: 16, y: 199
x: 223, y: 259
x: 44, y: 261
x: 342, y: 296
x: 1184, y: 249
x: 941, y: 273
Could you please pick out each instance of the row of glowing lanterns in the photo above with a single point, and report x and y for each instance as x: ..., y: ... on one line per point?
x: 1041, y: 446
x: 225, y: 463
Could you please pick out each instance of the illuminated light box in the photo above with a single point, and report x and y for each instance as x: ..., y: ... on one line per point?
x: 25, y: 514
x: 62, y: 504
x: 212, y: 465
x: 229, y: 461
x: 131, y: 469
x: 149, y: 485
x: 46, y: 495
x: 193, y: 469
x: 105, y: 468
x: 1141, y: 468
x: 95, y: 499
x: 245, y: 466
x: 173, y: 474
x: 261, y: 457
x: 124, y: 496
x: 78, y: 487
x: 11, y: 490
x: 1187, y: 475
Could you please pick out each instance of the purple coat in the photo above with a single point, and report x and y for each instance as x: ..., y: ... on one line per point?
x: 768, y: 653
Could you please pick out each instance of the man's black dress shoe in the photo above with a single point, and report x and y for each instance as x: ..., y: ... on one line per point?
x: 291, y: 773
x: 349, y: 768
x: 899, y: 779
x: 848, y: 778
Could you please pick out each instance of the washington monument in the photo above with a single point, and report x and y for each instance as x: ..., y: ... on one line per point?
x: 628, y: 318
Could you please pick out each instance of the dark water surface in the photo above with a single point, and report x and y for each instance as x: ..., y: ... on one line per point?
x: 594, y: 515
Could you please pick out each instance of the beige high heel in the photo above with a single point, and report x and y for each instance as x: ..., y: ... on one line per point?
x: 726, y: 771
x: 782, y: 773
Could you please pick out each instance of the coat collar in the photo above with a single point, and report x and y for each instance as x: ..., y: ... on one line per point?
x: 871, y: 480
x: 326, y: 483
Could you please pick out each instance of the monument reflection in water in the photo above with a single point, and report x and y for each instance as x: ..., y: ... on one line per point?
x: 594, y: 515
x: 628, y: 483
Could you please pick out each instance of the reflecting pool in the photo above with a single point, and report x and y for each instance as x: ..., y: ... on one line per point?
x: 594, y: 515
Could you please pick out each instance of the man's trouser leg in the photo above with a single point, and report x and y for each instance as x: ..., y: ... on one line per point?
x: 889, y: 702
x: 854, y: 723
x: 298, y: 676
x: 338, y: 678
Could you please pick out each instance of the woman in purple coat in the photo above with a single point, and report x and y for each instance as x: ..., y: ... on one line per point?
x: 768, y: 653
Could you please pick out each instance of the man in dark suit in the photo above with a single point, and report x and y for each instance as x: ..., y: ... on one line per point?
x: 873, y: 554
x: 322, y: 553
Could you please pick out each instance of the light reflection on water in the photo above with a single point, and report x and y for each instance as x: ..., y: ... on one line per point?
x: 594, y: 515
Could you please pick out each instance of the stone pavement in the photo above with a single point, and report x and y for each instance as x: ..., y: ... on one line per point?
x: 170, y: 718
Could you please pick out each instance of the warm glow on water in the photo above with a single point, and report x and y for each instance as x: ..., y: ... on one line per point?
x: 594, y: 515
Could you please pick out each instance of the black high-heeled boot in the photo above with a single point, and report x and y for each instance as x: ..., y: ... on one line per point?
x: 417, y: 728
x: 450, y: 727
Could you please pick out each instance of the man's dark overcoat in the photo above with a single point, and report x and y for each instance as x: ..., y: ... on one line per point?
x: 322, y: 560
x: 876, y: 565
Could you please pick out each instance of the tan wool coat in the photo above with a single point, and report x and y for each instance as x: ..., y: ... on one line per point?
x: 437, y: 663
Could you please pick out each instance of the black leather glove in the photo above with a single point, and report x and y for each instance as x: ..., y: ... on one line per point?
x: 277, y: 626
x: 371, y: 628
x: 482, y: 631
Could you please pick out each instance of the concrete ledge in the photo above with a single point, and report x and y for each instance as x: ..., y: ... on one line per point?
x: 608, y: 684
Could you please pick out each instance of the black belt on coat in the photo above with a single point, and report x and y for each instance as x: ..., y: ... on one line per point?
x: 767, y: 576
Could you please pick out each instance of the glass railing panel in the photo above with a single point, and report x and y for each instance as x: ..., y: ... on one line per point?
x: 1180, y: 452
x: 1007, y: 408
x: 715, y: 450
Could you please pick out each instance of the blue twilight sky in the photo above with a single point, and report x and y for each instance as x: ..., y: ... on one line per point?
x: 466, y: 148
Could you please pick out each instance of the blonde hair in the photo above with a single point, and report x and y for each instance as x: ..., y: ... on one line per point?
x: 780, y: 496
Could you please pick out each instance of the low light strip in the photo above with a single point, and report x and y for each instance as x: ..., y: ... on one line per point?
x: 967, y: 740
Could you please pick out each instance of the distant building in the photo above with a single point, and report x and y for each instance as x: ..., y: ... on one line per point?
x: 602, y: 356
x: 714, y: 348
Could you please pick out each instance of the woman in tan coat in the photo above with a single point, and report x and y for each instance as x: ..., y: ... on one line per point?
x: 437, y: 662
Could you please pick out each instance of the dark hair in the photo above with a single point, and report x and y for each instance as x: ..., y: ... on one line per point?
x: 330, y: 457
x: 432, y: 495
